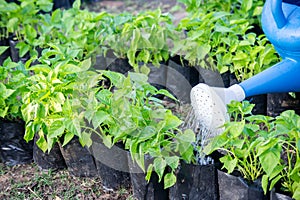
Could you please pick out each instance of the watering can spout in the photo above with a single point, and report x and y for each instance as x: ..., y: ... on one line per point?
x: 277, y: 12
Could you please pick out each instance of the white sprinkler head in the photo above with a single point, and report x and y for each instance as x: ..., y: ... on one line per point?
x: 209, y: 108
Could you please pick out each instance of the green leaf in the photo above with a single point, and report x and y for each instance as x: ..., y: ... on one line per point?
x: 45, y: 5
x: 51, y: 142
x: 86, y: 64
x: 3, y: 112
x: 270, y: 158
x: 186, y: 151
x: 29, y: 131
x: 73, y: 125
x: 274, y: 181
x: 172, y: 161
x: 296, y: 169
x: 276, y: 172
x: 159, y: 167
x: 147, y: 133
x: 77, y: 4
x: 85, y: 139
x: 60, y: 98
x: 166, y: 93
x: 3, y: 49
x: 138, y: 77
x: 23, y: 48
x: 68, y: 137
x: 6, y: 93
x: 188, y: 136
x: 116, y: 79
x: 202, y: 51
x: 107, y: 141
x: 169, y: 180
x: 132, y: 59
x: 69, y: 69
x: 104, y: 96
x: 12, y: 65
x: 55, y: 106
x: 12, y: 24
x: 42, y: 143
x: 229, y: 163
x: 27, y: 112
x: 56, y: 129
x: 30, y: 60
x: 99, y: 117
x: 257, y: 11
x: 236, y: 128
x: 222, y: 29
x: 41, y: 68
x: 31, y: 33
x: 149, y: 172
x: 172, y: 121
x: 247, y: 5
x: 265, y: 183
x: 296, y: 194
x: 145, y: 70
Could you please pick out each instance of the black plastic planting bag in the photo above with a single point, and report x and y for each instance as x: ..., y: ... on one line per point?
x: 195, y: 182
x: 119, y: 65
x: 14, y: 52
x: 143, y: 190
x: 6, y: 53
x: 279, y: 102
x: 13, y: 148
x: 236, y: 188
x: 180, y: 80
x: 112, y: 164
x: 277, y: 196
x: 66, y: 4
x: 260, y: 102
x: 190, y: 73
x: 79, y: 160
x: 52, y: 160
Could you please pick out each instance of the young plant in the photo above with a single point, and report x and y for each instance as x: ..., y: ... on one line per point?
x: 286, y: 171
x: 240, y: 141
x: 145, y: 38
x: 249, y: 56
x: 223, y: 40
x: 247, y: 9
x: 47, y: 108
x: 22, y: 20
x: 12, y: 87
x: 74, y: 29
x: 259, y: 146
x: 7, y: 22
x: 128, y: 112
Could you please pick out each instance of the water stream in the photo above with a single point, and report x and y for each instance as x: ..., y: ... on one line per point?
x: 202, y: 134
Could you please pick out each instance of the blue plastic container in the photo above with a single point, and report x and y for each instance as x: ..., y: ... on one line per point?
x: 281, y: 24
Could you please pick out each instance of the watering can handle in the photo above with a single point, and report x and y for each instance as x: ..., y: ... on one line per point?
x: 277, y: 12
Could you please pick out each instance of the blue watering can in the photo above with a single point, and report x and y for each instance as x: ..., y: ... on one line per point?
x: 281, y: 25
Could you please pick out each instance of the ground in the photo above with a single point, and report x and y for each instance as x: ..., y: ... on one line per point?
x: 28, y: 182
